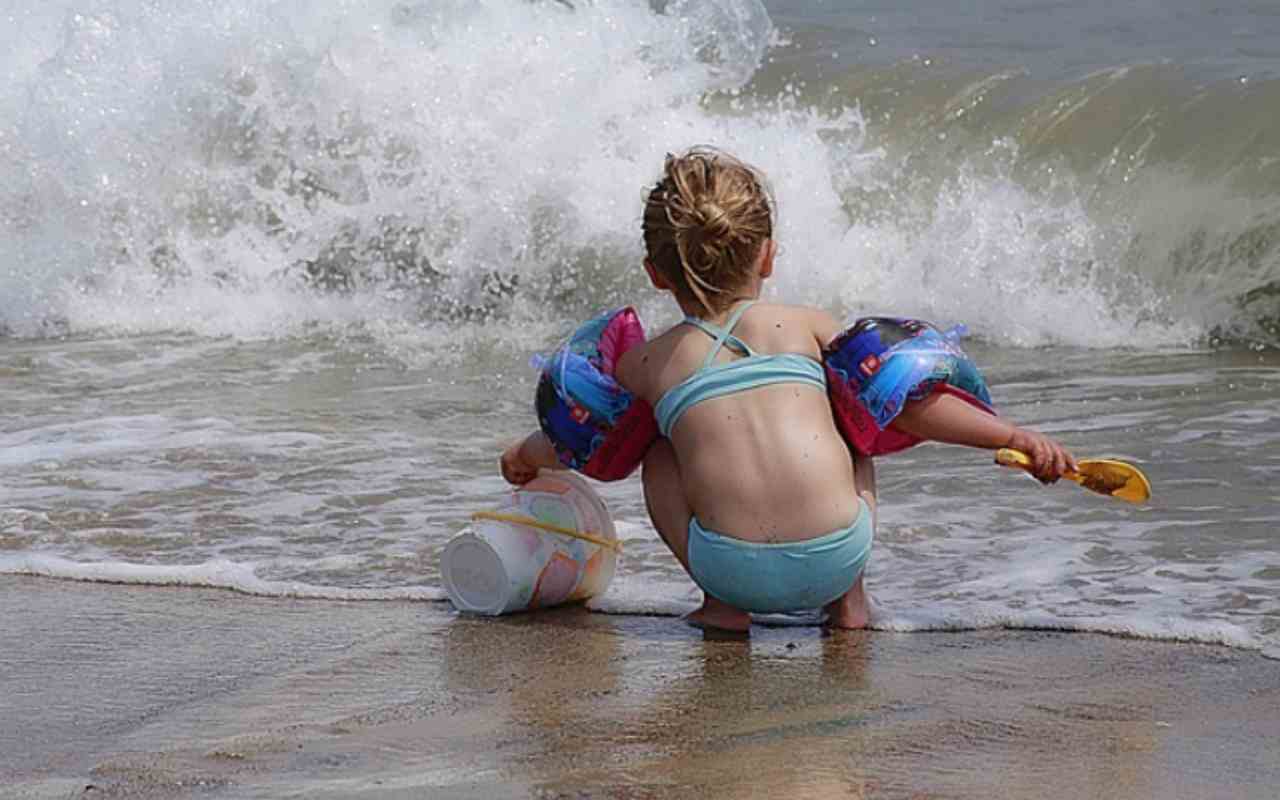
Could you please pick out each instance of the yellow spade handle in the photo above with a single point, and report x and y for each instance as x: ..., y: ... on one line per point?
x: 1102, y: 475
x: 1006, y: 457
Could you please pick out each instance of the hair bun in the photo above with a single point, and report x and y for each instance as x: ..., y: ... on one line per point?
x: 716, y: 224
x: 704, y: 224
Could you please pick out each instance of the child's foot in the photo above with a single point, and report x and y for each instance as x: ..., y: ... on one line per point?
x: 852, y: 611
x: 720, y: 616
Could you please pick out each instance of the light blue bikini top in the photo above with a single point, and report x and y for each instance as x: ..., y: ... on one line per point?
x: 716, y: 380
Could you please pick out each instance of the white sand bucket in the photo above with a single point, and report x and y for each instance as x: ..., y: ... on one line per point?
x: 553, y: 542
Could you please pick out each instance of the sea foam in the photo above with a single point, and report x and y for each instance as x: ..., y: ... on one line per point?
x: 415, y: 170
x: 633, y: 595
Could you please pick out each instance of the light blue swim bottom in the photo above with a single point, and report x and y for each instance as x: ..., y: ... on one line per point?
x: 791, y: 576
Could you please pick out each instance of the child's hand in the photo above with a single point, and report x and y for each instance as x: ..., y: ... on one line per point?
x: 1048, y: 458
x: 521, y: 462
x: 515, y: 469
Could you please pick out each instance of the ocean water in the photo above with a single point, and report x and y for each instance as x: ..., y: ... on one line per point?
x: 271, y: 275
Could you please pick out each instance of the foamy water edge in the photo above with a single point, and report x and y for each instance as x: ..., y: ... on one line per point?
x: 632, y: 596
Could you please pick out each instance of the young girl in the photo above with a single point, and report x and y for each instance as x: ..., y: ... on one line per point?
x: 751, y: 485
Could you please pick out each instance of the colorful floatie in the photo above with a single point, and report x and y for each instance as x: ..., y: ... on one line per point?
x: 597, y: 427
x: 880, y: 363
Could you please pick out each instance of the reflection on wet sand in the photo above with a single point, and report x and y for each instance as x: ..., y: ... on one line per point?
x: 796, y: 712
x: 688, y: 706
x: 370, y: 701
x: 784, y: 714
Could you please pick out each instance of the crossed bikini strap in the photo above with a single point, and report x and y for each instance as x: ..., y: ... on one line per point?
x: 723, y: 335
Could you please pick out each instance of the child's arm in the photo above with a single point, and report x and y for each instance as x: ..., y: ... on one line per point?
x: 522, y: 460
x: 946, y: 418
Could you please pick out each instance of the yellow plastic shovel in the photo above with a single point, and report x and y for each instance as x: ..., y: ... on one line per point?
x: 1101, y: 475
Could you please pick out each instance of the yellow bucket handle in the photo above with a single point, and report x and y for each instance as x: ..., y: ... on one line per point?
x: 520, y: 519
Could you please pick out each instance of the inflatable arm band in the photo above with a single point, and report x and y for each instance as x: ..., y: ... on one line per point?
x: 597, y: 427
x: 879, y: 364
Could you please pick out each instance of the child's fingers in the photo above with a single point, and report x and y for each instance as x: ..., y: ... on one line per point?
x: 1037, y: 458
x: 1047, y: 467
x: 513, y: 472
x: 1054, y: 463
x: 1063, y: 462
x: 1049, y: 459
x: 518, y: 474
x: 1060, y: 461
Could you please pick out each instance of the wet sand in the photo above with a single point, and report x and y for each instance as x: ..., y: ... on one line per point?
x: 117, y: 691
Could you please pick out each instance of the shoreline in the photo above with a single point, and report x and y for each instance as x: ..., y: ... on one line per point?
x: 156, y: 692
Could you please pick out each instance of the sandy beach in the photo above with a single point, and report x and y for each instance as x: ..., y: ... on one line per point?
x: 116, y: 691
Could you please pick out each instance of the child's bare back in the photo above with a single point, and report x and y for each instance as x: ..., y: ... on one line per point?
x: 762, y: 465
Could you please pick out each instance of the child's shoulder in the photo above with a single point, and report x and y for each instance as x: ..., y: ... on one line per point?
x: 634, y: 369
x: 821, y: 323
x: 677, y: 348
x: 665, y: 344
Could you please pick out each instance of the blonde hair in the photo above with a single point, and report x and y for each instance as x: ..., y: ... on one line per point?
x: 704, y: 224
